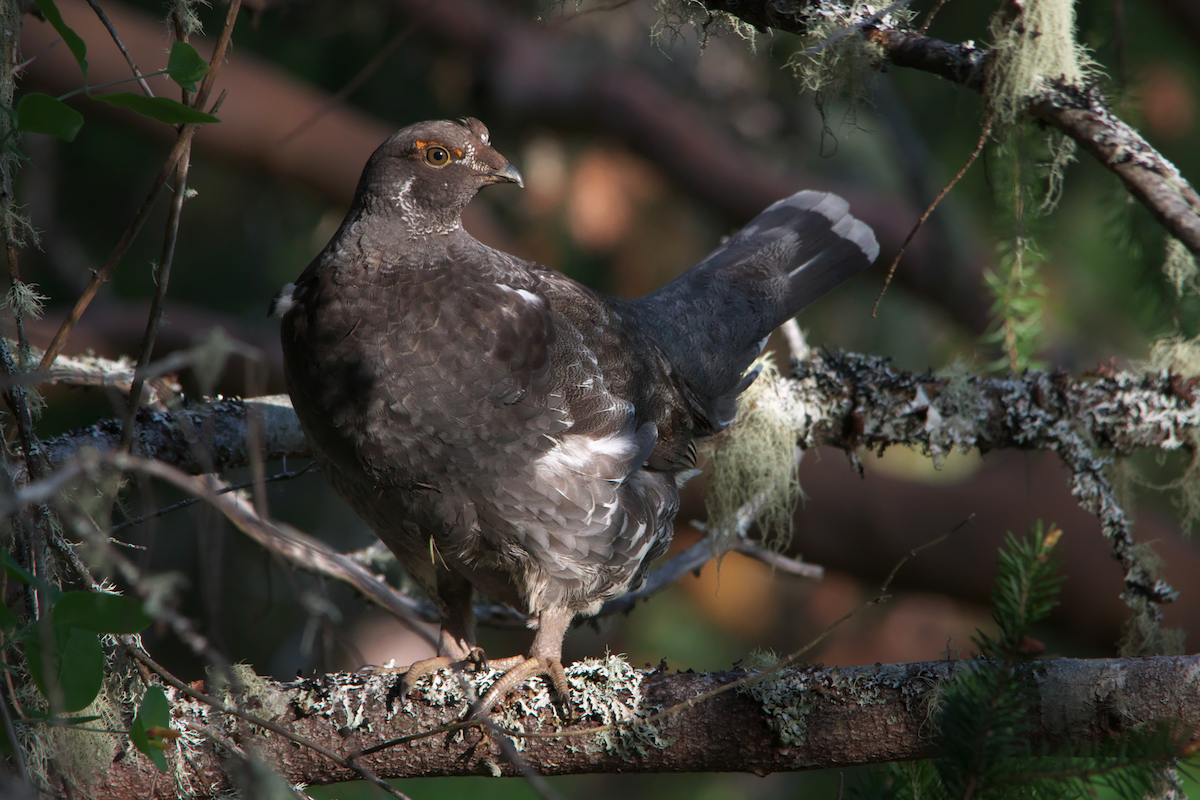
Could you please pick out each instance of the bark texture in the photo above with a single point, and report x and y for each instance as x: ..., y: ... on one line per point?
x: 807, y: 718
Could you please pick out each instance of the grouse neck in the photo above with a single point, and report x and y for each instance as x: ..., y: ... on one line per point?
x: 386, y: 223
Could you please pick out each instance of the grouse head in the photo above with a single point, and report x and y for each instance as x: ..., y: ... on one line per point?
x: 426, y: 173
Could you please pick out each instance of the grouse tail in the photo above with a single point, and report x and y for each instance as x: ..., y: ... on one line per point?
x: 713, y: 321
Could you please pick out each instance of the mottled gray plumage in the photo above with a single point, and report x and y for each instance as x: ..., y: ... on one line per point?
x: 504, y: 428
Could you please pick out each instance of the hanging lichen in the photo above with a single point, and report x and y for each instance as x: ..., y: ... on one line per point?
x: 1180, y: 268
x: 675, y: 15
x: 1033, y: 47
x: 754, y: 464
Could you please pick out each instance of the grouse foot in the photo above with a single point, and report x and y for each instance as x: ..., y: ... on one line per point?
x: 475, y: 660
x: 515, y: 676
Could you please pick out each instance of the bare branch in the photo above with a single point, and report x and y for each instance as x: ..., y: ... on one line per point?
x: 121, y: 45
x: 164, y: 436
x: 887, y: 707
x: 162, y: 279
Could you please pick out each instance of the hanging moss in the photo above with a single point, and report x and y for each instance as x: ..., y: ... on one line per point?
x: 754, y: 464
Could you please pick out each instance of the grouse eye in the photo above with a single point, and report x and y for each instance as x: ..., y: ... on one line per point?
x: 437, y: 157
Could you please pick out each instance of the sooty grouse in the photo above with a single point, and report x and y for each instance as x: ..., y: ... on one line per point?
x: 502, y: 427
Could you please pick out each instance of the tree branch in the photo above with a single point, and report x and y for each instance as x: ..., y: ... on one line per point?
x: 1079, y: 112
x: 852, y: 400
x: 844, y: 400
x: 828, y: 717
x: 164, y: 435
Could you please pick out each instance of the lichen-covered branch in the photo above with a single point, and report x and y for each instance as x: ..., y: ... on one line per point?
x: 1079, y: 112
x: 1152, y: 179
x: 802, y: 719
x: 850, y: 401
x: 844, y: 400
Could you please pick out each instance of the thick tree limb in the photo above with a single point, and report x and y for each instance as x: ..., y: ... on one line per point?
x: 833, y: 717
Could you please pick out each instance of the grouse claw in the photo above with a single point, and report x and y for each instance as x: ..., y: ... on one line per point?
x: 526, y: 668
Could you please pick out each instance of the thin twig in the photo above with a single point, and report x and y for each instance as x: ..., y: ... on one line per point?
x: 121, y: 45
x: 17, y: 753
x: 979, y: 145
x: 751, y: 548
x: 566, y: 18
x: 279, y: 538
x: 929, y: 18
x: 358, y: 80
x: 218, y: 56
x: 190, y: 501
x: 162, y: 280
x: 536, y: 780
x: 101, y: 275
x: 35, y: 56
x: 691, y: 702
x: 796, y: 340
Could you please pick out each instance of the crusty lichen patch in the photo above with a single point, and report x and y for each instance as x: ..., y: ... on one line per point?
x: 343, y: 697
x: 606, y: 691
x: 789, y: 696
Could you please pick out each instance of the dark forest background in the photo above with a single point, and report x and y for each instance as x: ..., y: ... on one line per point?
x: 639, y: 153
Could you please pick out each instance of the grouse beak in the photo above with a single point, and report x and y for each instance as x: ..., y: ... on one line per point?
x: 508, y: 174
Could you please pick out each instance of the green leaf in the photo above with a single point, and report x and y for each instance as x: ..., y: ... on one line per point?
x: 78, y: 48
x: 7, y: 620
x: 16, y: 571
x: 100, y: 613
x: 22, y: 575
x: 152, y: 721
x: 41, y: 113
x: 185, y: 66
x: 75, y: 665
x: 163, y: 109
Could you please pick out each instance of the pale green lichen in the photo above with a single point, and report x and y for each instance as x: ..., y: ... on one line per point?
x: 259, y: 695
x: 1179, y: 355
x: 839, y: 62
x: 786, y: 698
x: 81, y: 754
x: 84, y: 755
x: 606, y: 691
x: 1033, y: 45
x: 1180, y: 267
x: 1034, y: 48
x: 675, y: 15
x: 963, y: 407
x: 754, y: 464
x: 183, y: 13
x: 24, y: 298
x: 1143, y: 634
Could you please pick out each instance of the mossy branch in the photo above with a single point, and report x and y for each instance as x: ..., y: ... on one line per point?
x: 885, y: 705
x: 852, y: 402
x: 1077, y: 110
